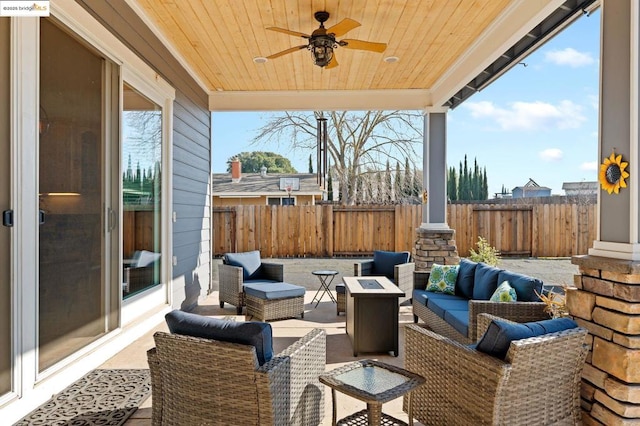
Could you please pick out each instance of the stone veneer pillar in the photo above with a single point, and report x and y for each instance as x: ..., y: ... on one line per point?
x: 435, y: 246
x: 606, y: 301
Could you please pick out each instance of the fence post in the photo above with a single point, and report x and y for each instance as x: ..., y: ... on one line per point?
x: 328, y: 229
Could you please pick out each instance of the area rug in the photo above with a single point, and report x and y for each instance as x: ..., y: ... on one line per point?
x: 101, y: 397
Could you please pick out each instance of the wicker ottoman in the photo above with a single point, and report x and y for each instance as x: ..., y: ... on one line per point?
x: 269, y: 301
x: 341, y: 297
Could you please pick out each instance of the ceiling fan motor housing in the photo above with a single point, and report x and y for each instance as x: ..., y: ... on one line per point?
x: 321, y: 16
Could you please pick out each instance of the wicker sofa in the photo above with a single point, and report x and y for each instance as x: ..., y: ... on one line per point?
x: 536, y: 383
x: 455, y: 316
x: 197, y: 380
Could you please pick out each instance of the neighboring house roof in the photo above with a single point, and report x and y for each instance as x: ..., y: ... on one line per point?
x: 580, y: 187
x: 532, y: 184
x: 252, y: 184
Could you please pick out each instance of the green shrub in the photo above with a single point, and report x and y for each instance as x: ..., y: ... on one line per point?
x: 486, y: 253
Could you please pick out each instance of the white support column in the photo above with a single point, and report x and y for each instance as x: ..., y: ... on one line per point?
x: 434, y: 169
x: 435, y: 241
x: 619, y: 214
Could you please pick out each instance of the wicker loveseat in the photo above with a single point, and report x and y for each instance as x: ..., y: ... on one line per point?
x: 455, y: 315
x: 197, y: 381
x: 536, y: 383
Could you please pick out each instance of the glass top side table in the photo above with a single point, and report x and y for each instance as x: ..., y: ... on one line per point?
x: 374, y: 383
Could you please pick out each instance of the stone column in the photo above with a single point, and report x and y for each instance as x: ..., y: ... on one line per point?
x: 435, y: 241
x: 606, y: 300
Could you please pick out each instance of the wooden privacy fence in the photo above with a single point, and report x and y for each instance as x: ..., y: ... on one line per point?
x: 537, y: 230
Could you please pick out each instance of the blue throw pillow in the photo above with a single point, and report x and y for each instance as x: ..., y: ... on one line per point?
x: 256, y: 334
x: 525, y: 286
x: 464, y: 281
x: 485, y: 281
x: 499, y: 335
x: 249, y: 262
x: 384, y: 262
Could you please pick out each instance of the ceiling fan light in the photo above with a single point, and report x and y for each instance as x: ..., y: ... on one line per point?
x: 321, y: 48
x: 322, y: 55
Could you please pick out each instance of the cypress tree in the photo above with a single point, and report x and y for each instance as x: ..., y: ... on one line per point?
x: 452, y: 187
x: 397, y: 183
x: 388, y: 183
x: 407, y: 183
x: 310, y: 164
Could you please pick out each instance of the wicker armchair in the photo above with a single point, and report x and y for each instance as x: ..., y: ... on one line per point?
x: 231, y: 280
x: 538, y: 383
x: 402, y: 274
x: 199, y: 381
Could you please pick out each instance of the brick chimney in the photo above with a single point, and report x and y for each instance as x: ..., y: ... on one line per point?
x: 236, y: 170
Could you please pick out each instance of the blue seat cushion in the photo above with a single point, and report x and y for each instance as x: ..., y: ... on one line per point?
x: 524, y: 285
x: 384, y: 262
x: 440, y: 305
x: 421, y: 295
x: 259, y: 281
x: 272, y: 291
x: 485, y: 281
x: 464, y: 281
x: 256, y: 334
x: 249, y: 262
x: 458, y: 319
x: 341, y: 289
x: 499, y: 335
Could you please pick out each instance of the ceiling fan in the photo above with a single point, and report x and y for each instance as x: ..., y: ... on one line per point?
x: 322, y: 41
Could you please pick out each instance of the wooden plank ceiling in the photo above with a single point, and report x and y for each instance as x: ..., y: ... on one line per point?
x: 219, y: 39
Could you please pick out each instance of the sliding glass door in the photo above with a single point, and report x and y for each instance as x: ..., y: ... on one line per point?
x: 6, y: 344
x: 78, y: 300
x: 141, y: 192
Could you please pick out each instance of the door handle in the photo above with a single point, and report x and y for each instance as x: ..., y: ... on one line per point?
x: 111, y: 218
x: 7, y: 218
x: 41, y: 217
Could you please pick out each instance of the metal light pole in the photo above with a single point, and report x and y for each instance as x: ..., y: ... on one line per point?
x: 321, y: 157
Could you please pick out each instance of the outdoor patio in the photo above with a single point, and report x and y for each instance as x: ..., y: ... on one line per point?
x: 339, y: 351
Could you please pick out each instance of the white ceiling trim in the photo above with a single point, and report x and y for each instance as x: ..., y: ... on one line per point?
x: 325, y: 100
x: 510, y: 27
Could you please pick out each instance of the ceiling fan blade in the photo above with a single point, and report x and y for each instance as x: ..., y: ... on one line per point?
x: 286, y: 31
x: 363, y: 45
x: 333, y: 63
x: 343, y: 27
x: 285, y: 52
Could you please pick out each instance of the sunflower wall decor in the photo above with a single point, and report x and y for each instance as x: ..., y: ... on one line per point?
x: 612, y: 173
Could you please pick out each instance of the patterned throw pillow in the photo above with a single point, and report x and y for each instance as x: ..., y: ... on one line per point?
x: 504, y: 293
x: 442, y: 278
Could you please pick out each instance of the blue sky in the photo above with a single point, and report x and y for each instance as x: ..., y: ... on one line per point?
x: 538, y: 121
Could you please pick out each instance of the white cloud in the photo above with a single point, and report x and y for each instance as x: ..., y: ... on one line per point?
x: 570, y: 57
x: 550, y: 154
x: 530, y: 115
x: 590, y: 166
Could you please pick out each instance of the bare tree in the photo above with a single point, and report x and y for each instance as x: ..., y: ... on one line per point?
x: 357, y: 140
